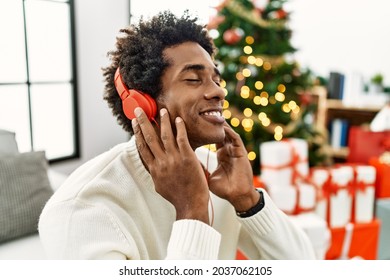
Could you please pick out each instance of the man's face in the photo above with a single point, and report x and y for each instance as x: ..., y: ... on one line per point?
x: 191, y: 90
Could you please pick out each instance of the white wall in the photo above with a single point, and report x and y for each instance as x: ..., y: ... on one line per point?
x: 97, y: 25
x: 342, y: 35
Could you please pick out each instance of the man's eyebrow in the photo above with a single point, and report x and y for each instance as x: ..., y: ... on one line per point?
x: 198, y: 67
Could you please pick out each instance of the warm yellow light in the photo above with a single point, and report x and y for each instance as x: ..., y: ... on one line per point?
x: 262, y: 116
x: 248, y: 49
x: 246, y: 72
x: 239, y: 76
x: 259, y: 62
x: 280, y: 96
x: 244, y: 94
x: 278, y: 129
x: 266, y: 122
x: 264, y: 94
x: 249, y: 40
x: 225, y: 104
x: 235, y: 122
x: 223, y: 83
x: 247, y: 123
x: 267, y: 66
x: 257, y: 100
x: 281, y: 88
x: 264, y: 101
x: 251, y: 59
x: 272, y: 100
x: 286, y: 108
x: 292, y: 104
x: 245, y: 88
x: 227, y: 114
x: 296, y: 109
x: 225, y: 91
x: 259, y: 85
x: 278, y: 137
x: 211, y: 147
x: 248, y: 112
x: 251, y: 155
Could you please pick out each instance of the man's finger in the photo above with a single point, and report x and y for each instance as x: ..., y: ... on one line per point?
x: 149, y: 134
x: 166, y: 134
x: 142, y: 147
x: 181, y: 135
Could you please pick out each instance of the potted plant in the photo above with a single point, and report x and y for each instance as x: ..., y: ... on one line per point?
x: 376, y: 83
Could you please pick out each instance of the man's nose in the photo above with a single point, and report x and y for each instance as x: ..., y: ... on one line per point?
x: 214, y: 91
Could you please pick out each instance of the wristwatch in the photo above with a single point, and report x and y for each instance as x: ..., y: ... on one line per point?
x: 255, y: 209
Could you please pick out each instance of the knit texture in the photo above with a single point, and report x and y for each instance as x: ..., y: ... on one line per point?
x: 109, y: 209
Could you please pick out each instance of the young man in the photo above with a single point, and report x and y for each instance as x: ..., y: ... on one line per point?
x: 151, y: 198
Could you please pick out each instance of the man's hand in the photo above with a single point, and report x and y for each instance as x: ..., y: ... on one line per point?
x: 233, y: 178
x: 177, y: 173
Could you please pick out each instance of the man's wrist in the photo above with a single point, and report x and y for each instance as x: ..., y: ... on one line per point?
x: 255, y: 209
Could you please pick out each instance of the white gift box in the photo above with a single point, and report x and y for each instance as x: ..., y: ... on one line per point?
x: 316, y: 229
x: 294, y: 199
x: 319, y: 177
x: 364, y: 193
x: 341, y: 200
x: 282, y: 160
x: 337, y: 207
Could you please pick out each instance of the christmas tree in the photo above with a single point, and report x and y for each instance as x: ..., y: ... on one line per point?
x: 266, y: 91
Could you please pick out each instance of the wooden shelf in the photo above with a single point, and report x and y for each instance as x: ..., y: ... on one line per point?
x: 354, y: 115
x: 330, y: 109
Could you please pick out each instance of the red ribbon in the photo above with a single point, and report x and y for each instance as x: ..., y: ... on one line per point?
x: 296, y: 175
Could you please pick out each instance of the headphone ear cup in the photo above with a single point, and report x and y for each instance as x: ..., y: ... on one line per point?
x: 152, y: 106
x: 129, y: 105
x: 142, y: 100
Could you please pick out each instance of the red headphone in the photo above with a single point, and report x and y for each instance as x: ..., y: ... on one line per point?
x: 132, y: 99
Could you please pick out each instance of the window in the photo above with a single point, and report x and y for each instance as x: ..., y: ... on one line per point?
x: 38, y: 76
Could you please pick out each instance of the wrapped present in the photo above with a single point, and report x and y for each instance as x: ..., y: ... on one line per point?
x: 382, y: 182
x: 316, y: 229
x: 364, y: 193
x: 284, y: 162
x: 336, y: 194
x: 360, y: 138
x: 382, y: 210
x: 294, y: 199
x: 321, y: 178
x: 355, y: 241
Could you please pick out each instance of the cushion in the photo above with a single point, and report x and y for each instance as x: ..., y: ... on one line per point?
x: 24, y: 190
x: 8, y: 143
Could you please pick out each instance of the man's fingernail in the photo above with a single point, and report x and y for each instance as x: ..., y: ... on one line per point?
x: 137, y: 111
x: 163, y: 111
x: 178, y: 120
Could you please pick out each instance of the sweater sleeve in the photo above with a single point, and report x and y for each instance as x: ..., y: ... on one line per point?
x: 76, y: 230
x: 274, y: 235
x: 193, y: 240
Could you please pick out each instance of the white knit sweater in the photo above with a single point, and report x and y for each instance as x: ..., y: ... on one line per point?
x: 108, y: 209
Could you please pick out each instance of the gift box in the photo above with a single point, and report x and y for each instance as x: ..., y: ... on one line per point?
x: 355, y: 241
x: 382, y: 210
x: 284, y: 162
x: 334, y: 202
x: 320, y: 176
x: 382, y: 182
x: 364, y: 144
x: 316, y: 229
x: 364, y: 193
x: 294, y: 199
